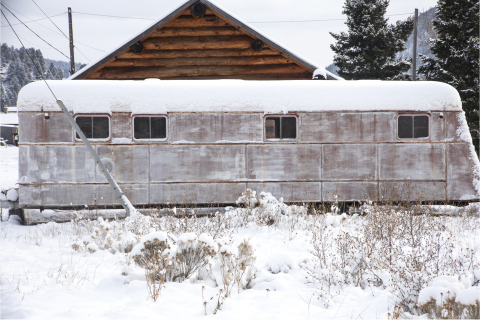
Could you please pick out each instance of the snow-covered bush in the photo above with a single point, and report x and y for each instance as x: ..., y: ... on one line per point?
x: 153, y: 246
x: 397, y: 248
x: 448, y: 298
x: 280, y: 262
x: 191, y: 255
x: 248, y: 199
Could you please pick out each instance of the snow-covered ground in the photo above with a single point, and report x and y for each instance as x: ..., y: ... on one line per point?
x: 302, y: 266
x: 8, y: 167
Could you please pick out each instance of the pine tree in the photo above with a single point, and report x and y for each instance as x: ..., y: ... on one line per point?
x: 456, y: 51
x: 3, y: 98
x: 368, y: 50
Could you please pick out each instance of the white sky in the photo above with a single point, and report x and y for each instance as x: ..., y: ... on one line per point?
x: 309, y: 39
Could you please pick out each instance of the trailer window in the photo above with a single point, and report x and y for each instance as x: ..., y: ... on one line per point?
x: 150, y: 127
x: 413, y: 127
x: 281, y: 128
x: 97, y: 127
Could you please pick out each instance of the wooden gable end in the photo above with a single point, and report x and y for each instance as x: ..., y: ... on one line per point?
x: 209, y: 46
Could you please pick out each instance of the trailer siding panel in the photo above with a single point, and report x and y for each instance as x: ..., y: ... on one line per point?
x: 131, y: 163
x: 349, y: 162
x: 412, y: 161
x: 191, y: 193
x: 349, y: 191
x: 191, y: 163
x: 284, y: 162
x: 460, y: 179
x: 216, y: 127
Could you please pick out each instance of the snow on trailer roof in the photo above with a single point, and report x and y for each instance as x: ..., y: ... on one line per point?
x: 162, y: 96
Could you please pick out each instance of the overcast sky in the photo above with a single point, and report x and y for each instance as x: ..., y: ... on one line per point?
x: 96, y: 35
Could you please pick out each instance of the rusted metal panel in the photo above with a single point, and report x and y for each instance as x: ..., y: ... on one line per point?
x: 30, y: 163
x: 29, y: 196
x: 284, y: 162
x: 385, y: 126
x: 57, y: 195
x: 349, y: 191
x: 215, y: 127
x: 31, y: 127
x: 451, y: 126
x: 136, y: 193
x: 131, y: 163
x: 460, y: 177
x: 337, y: 127
x: 191, y: 163
x: 420, y: 161
x: 192, y: 193
x: 57, y: 128
x: 413, y: 191
x: 290, y: 191
x: 121, y: 125
x: 437, y: 126
x: 83, y: 164
x: 349, y: 162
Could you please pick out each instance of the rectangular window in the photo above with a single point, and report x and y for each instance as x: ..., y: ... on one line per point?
x: 97, y: 127
x: 413, y: 127
x: 150, y: 127
x: 280, y: 127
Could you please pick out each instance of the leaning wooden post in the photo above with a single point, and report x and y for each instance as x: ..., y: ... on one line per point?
x: 127, y: 205
x: 70, y: 29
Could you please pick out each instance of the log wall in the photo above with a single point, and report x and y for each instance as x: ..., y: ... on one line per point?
x: 207, y: 47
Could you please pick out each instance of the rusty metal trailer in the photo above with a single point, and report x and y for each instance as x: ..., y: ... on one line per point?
x: 206, y: 141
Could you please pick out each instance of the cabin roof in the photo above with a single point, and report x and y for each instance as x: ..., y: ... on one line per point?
x: 162, y: 96
x: 106, y: 59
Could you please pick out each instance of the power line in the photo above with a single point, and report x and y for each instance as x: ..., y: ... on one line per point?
x: 16, y: 24
x: 289, y: 21
x: 31, y: 30
x: 33, y: 62
x: 59, y: 29
x: 390, y: 15
x: 78, y: 42
x: 104, y: 15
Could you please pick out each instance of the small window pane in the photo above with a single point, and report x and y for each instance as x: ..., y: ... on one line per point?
x: 272, y: 128
x: 420, y: 127
x: 101, y: 128
x: 85, y: 124
x: 405, y: 127
x: 289, y: 128
x: 141, y: 128
x: 158, y: 127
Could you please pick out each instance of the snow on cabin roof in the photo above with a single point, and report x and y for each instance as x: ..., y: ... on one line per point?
x: 9, y: 118
x: 210, y: 4
x: 162, y: 96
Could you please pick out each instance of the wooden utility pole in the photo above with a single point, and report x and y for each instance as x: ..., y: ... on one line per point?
x: 414, y: 58
x: 70, y: 28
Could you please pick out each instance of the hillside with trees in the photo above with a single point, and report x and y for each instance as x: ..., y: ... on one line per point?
x: 17, y: 70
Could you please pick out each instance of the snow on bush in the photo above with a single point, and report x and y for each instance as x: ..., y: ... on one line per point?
x: 12, y: 195
x: 248, y: 199
x: 280, y: 262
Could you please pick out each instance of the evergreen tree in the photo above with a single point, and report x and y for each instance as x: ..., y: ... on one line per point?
x: 3, y: 97
x: 368, y: 50
x: 456, y: 51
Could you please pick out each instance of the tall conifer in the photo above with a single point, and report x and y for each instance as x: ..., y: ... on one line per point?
x: 367, y: 50
x: 456, y: 51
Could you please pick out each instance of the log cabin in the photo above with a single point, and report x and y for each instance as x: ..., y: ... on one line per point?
x: 200, y: 40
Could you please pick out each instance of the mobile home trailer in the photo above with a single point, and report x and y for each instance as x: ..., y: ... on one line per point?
x: 206, y: 141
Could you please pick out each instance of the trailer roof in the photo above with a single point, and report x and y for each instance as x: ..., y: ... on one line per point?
x: 162, y: 96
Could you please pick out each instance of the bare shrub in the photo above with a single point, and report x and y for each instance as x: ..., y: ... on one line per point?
x: 191, y: 255
x: 450, y: 309
x: 155, y: 272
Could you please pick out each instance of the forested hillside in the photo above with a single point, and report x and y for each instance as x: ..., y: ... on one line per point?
x: 17, y: 70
